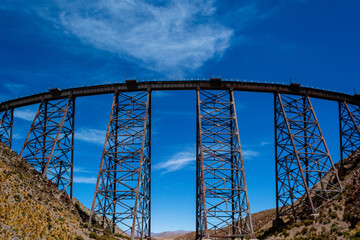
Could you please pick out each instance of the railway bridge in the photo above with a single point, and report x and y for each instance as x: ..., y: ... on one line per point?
x: 305, y: 172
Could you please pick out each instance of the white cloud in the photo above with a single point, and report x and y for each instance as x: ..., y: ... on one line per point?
x: 90, y: 135
x: 27, y: 114
x: 249, y: 154
x: 169, y: 37
x: 81, y: 170
x: 263, y: 143
x: 87, y: 180
x: 177, y: 161
x: 18, y: 136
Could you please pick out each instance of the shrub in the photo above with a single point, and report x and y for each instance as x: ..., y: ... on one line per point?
x: 61, y: 219
x: 304, y: 230
x: 122, y: 236
x: 84, y: 225
x: 93, y: 235
x: 308, y: 222
x: 333, y: 215
x: 285, y: 233
x: 334, y: 228
x: 107, y: 232
x: 21, y: 176
x: 78, y: 237
x: 17, y: 198
x: 357, y: 233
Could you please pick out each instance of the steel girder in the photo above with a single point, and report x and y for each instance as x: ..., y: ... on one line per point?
x: 306, y: 177
x: 49, y: 144
x: 222, y: 204
x: 6, y: 127
x: 122, y: 194
x: 349, y: 129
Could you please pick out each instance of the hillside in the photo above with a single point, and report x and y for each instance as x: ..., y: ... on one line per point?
x: 32, y: 207
x: 339, y: 219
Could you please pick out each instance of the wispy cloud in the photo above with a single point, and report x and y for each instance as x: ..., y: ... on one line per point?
x: 18, y: 136
x: 264, y: 143
x: 27, y: 114
x: 81, y: 170
x: 177, y: 161
x: 250, y: 154
x: 167, y: 36
x: 87, y: 180
x: 173, y: 36
x: 90, y: 135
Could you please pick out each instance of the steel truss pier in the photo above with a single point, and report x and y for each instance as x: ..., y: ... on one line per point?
x: 49, y: 143
x: 6, y: 127
x: 305, y: 174
x: 222, y: 203
x: 349, y: 128
x: 122, y: 195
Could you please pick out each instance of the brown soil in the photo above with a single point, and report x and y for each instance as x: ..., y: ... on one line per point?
x: 32, y: 207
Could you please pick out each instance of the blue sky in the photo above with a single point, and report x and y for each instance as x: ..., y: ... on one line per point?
x: 74, y: 43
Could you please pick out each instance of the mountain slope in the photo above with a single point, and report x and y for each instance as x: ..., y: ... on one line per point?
x: 339, y: 219
x: 32, y: 207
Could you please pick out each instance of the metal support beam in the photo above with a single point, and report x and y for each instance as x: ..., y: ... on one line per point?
x: 122, y: 194
x: 349, y: 118
x: 49, y: 144
x: 6, y: 127
x: 306, y: 177
x: 223, y: 209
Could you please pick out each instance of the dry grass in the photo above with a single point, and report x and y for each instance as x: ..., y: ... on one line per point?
x: 33, y: 208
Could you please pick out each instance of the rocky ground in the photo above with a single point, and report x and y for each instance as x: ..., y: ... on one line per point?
x: 32, y: 207
x: 339, y: 219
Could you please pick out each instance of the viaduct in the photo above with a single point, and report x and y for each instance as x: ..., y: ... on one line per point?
x: 306, y: 177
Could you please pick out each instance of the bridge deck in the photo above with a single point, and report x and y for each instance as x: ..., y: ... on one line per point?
x: 294, y: 89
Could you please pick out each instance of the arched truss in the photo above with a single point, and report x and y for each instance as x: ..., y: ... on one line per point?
x: 304, y: 169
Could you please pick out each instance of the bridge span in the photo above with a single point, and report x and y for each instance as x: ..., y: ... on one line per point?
x: 134, y: 85
x: 306, y: 177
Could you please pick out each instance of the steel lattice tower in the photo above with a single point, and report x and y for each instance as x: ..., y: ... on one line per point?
x: 305, y: 174
x: 349, y: 128
x: 6, y: 127
x: 222, y: 205
x: 122, y: 194
x: 49, y: 143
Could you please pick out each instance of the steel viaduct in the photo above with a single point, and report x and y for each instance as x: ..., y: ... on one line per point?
x: 306, y: 177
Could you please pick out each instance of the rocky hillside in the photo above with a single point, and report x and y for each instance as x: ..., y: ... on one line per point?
x: 339, y: 219
x: 32, y: 207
